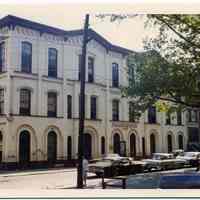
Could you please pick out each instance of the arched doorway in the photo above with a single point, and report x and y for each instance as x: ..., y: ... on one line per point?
x: 169, y: 143
x: 132, y: 145
x: 116, y: 143
x: 52, y: 146
x: 152, y: 143
x: 88, y: 146
x: 180, y: 142
x: 24, y: 147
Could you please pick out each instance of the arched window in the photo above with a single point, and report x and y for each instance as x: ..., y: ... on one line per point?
x: 25, y: 102
x: 24, y: 147
x: 152, y: 143
x: 69, y: 147
x: 169, y: 143
x: 1, y: 146
x: 132, y: 145
x: 26, y: 57
x: 103, y: 145
x: 180, y: 142
x: 52, y: 62
x: 116, y: 143
x: 115, y: 75
x: 52, y: 146
x: 52, y: 104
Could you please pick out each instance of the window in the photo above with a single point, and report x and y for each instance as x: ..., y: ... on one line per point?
x: 52, y: 104
x: 115, y: 75
x: 143, y: 147
x: 131, y: 75
x: 26, y: 57
x: 179, y: 117
x: 1, y: 146
x: 115, y: 110
x: 131, y: 112
x: 192, y: 115
x: 90, y: 69
x: 25, y: 102
x: 2, y: 56
x: 1, y: 101
x: 79, y: 67
x: 69, y: 106
x: 52, y: 64
x: 152, y: 115
x: 168, y: 118
x: 93, y: 107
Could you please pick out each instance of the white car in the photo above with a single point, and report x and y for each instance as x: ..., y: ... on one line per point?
x: 191, y: 158
x: 163, y: 161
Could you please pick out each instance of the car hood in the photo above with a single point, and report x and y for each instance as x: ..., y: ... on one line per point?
x: 100, y: 165
x: 186, y: 158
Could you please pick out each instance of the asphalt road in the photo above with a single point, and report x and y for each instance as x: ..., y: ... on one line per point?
x: 66, y: 179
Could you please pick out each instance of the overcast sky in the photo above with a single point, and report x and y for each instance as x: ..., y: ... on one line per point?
x: 129, y: 33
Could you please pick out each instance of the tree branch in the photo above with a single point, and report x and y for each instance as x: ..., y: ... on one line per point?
x: 176, y: 32
x: 178, y: 102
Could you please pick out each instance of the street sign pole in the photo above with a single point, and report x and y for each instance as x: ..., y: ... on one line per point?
x: 82, y: 105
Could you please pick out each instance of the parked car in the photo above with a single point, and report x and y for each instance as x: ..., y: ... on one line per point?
x: 163, y: 161
x: 112, y: 166
x: 178, y: 152
x: 191, y: 158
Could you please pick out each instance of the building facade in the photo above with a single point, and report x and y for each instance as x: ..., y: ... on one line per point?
x: 39, y: 99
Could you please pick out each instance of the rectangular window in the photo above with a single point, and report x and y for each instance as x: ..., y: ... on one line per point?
x: 152, y: 115
x: 25, y: 102
x: 69, y: 106
x: 168, y: 118
x: 93, y: 107
x: 131, y: 75
x: 115, y: 110
x: 90, y: 69
x: 115, y: 75
x: 192, y: 115
x: 1, y: 101
x: 52, y: 104
x: 2, y: 56
x: 52, y: 64
x: 26, y: 57
x: 79, y: 67
x: 131, y: 112
x: 179, y: 118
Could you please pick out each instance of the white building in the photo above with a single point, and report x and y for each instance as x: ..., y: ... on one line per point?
x: 39, y: 99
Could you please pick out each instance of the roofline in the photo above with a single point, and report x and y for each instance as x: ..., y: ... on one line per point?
x: 12, y: 21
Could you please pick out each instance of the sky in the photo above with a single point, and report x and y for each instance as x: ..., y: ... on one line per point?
x: 128, y: 33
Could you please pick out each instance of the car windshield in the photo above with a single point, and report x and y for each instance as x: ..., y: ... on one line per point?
x: 190, y: 154
x: 161, y: 157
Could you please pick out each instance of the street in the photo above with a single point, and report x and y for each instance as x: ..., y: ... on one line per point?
x: 66, y: 179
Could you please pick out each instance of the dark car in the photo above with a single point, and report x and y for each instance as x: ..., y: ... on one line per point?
x: 112, y: 167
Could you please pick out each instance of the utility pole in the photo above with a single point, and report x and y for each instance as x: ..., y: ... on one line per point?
x: 82, y: 106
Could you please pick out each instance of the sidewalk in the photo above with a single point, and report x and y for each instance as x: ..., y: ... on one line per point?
x: 35, y: 172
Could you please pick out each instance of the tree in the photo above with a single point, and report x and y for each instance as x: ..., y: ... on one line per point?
x: 169, y: 68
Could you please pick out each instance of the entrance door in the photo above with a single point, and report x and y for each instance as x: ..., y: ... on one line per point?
x: 152, y: 143
x: 52, y: 146
x: 132, y: 145
x: 116, y: 143
x: 24, y: 148
x: 169, y: 141
x: 87, y: 146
